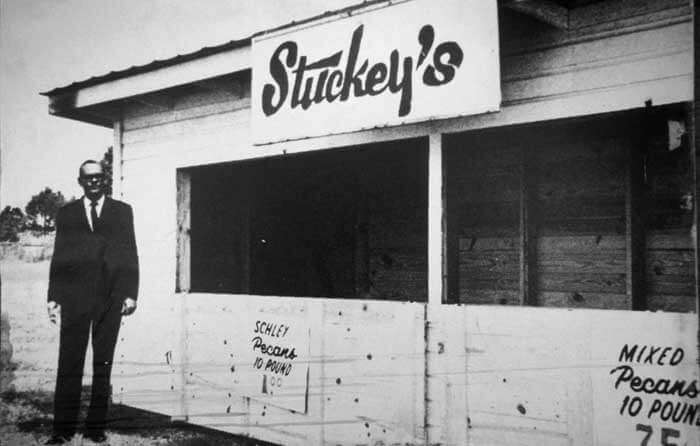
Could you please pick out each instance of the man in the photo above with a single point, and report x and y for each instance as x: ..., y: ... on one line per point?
x: 93, y: 282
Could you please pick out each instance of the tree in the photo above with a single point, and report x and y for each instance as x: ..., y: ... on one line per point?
x: 11, y: 223
x: 42, y: 209
x: 106, y: 163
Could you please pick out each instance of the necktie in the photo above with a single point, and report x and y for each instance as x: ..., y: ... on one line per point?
x: 93, y: 215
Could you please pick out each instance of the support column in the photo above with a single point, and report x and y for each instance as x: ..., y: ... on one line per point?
x: 436, y: 222
x: 182, y: 283
x: 184, y: 192
x: 434, y: 396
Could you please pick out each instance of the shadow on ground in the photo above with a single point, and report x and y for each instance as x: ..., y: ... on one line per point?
x: 26, y: 420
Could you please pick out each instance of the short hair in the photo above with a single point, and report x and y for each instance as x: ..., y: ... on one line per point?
x: 80, y: 169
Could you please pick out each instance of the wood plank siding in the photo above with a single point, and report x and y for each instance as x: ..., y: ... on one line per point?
x: 537, y: 207
x: 581, y: 254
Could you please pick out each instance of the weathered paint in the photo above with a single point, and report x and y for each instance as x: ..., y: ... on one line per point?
x: 543, y: 376
x: 422, y: 70
x: 365, y: 367
x: 490, y: 375
x: 497, y: 375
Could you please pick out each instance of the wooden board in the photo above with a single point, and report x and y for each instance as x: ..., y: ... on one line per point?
x: 494, y: 375
x: 365, y: 370
x: 499, y: 375
x: 545, y: 355
x: 542, y: 376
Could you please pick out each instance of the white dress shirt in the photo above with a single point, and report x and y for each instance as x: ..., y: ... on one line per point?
x: 98, y: 209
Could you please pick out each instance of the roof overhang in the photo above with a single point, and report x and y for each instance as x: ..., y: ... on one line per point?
x: 98, y: 100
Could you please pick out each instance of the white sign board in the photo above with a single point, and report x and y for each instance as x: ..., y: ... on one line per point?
x: 388, y: 64
x: 276, y: 362
x: 553, y: 377
x: 648, y: 392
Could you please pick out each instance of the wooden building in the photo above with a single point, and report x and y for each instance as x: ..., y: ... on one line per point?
x: 510, y: 259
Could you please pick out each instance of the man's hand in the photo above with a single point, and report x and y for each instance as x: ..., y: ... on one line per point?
x: 128, y: 307
x: 54, y: 311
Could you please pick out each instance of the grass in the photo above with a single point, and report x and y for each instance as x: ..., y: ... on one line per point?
x: 26, y: 420
x: 28, y: 372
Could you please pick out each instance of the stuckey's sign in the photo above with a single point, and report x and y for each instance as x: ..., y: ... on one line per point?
x: 411, y: 61
x: 299, y: 83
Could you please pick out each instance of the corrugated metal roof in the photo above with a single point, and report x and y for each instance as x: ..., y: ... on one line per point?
x: 345, y: 10
x: 203, y: 52
x: 233, y: 44
x: 154, y: 65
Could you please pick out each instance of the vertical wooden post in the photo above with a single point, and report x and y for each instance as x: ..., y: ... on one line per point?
x: 436, y: 283
x: 184, y: 192
x: 635, y: 211
x: 528, y: 230
x: 117, y: 159
x: 436, y: 223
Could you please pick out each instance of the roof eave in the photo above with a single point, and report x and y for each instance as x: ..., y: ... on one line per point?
x: 151, y: 66
x: 97, y: 101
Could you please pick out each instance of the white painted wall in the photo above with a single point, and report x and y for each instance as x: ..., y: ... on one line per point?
x: 537, y: 376
x: 171, y: 356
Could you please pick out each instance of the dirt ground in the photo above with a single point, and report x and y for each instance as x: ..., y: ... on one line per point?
x: 29, y: 367
x: 26, y: 420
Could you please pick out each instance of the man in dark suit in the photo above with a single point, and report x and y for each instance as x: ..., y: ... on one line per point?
x: 93, y: 282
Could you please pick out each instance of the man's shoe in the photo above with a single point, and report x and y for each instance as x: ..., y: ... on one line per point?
x: 96, y: 436
x: 58, y: 439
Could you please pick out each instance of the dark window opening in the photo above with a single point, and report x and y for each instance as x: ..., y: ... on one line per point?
x: 348, y: 223
x: 593, y: 213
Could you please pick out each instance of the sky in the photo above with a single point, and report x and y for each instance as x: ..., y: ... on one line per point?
x: 51, y: 43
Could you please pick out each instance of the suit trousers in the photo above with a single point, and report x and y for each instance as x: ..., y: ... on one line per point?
x: 104, y: 319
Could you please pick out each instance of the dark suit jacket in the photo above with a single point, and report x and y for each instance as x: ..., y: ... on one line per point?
x: 89, y: 266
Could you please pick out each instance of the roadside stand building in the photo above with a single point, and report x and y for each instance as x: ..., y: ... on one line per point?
x: 417, y: 222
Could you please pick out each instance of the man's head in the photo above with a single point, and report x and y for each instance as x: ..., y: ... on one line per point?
x: 91, y: 178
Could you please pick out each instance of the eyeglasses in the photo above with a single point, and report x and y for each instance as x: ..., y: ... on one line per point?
x: 92, y: 178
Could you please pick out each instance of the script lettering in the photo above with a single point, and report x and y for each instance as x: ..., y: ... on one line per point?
x: 325, y: 80
x: 672, y: 400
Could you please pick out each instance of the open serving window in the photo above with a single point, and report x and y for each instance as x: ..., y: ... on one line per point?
x: 588, y: 212
x: 594, y: 213
x: 382, y: 237
x: 342, y: 223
